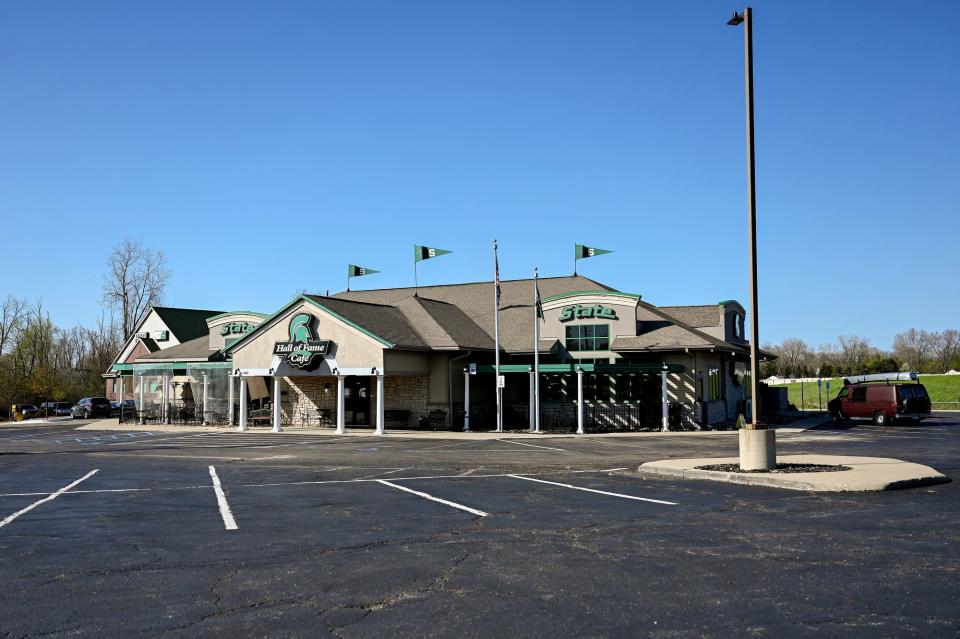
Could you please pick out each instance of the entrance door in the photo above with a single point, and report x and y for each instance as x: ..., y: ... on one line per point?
x: 356, y: 401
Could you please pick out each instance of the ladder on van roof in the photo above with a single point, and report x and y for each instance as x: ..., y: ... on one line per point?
x: 881, y: 377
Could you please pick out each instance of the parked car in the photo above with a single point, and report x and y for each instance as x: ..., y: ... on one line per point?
x: 882, y: 402
x: 91, y: 407
x: 129, y: 406
x: 54, y: 409
x: 29, y: 411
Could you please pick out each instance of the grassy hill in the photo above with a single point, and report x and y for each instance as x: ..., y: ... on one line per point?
x: 942, y: 388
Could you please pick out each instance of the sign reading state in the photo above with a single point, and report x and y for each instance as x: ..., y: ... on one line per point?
x: 303, y: 350
x: 579, y: 312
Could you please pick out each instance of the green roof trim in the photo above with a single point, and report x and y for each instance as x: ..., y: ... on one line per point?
x: 643, y: 367
x: 594, y: 292
x: 725, y: 302
x: 236, y: 313
x: 304, y: 298
x: 169, y: 366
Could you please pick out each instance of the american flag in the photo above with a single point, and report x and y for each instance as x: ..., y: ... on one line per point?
x: 536, y: 286
x: 496, y: 272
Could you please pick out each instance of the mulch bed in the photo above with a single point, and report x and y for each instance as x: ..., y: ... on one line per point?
x: 781, y: 468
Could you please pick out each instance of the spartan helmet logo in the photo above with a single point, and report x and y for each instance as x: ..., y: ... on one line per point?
x: 300, y: 328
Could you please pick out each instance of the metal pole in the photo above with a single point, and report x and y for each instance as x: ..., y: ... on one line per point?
x: 140, y: 392
x: 466, y: 401
x: 536, y: 354
x: 752, y: 219
x: 496, y: 330
x: 531, y: 416
x: 802, y: 384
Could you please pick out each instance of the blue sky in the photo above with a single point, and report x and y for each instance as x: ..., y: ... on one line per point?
x: 263, y: 146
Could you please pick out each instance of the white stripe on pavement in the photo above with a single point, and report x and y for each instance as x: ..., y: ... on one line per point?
x: 591, y: 490
x: 49, y: 497
x: 531, y: 445
x: 478, y: 513
x: 228, y: 521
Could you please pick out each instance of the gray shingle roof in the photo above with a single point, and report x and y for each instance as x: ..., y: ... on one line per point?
x: 382, y: 320
x: 696, y: 316
x: 474, y: 303
x: 193, y: 350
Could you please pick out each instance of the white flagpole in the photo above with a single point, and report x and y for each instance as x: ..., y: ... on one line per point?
x: 496, y: 331
x: 536, y: 351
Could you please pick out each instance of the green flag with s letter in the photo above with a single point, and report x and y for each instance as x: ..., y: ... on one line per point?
x: 582, y: 252
x: 359, y: 271
x: 421, y: 253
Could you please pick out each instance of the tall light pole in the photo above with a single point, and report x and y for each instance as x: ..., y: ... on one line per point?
x: 765, y: 455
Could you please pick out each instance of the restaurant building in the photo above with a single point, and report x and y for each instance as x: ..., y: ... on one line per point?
x: 423, y: 357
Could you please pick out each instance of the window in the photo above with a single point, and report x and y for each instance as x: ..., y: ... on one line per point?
x: 714, y: 385
x: 858, y: 395
x: 843, y: 392
x: 588, y: 337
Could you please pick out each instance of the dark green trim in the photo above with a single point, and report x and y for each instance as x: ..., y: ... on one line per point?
x: 596, y: 292
x: 170, y: 366
x: 236, y: 313
x: 306, y: 299
x: 649, y: 367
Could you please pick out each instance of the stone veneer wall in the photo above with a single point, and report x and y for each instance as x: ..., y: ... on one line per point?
x: 402, y: 393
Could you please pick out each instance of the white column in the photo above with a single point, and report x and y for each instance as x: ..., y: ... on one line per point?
x: 166, y: 399
x: 466, y: 401
x: 243, y: 404
x: 380, y: 404
x: 665, y: 408
x: 276, y: 404
x: 140, y: 392
x: 230, y: 400
x: 579, y: 401
x: 206, y: 388
x: 341, y: 417
x: 532, y: 402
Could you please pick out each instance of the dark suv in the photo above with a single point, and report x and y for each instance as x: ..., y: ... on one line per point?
x: 883, y: 403
x: 91, y: 407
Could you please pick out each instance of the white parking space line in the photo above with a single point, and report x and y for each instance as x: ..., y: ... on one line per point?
x: 159, y: 439
x: 473, y: 511
x: 49, y: 497
x: 508, y: 441
x: 599, y: 492
x: 228, y: 521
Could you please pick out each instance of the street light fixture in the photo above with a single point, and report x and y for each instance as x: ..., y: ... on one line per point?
x: 757, y: 444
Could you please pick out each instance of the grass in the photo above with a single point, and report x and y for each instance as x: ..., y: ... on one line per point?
x: 941, y: 388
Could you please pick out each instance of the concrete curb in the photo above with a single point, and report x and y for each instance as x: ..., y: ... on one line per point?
x: 866, y: 474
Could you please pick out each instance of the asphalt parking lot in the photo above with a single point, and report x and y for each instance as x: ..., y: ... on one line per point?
x: 303, y: 534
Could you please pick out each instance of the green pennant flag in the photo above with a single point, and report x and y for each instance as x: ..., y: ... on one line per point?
x: 582, y: 252
x: 358, y: 271
x: 425, y: 252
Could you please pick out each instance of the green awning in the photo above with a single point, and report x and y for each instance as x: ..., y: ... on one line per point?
x: 634, y: 367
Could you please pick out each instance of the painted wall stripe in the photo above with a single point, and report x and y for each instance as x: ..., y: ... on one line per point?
x: 599, y: 492
x: 473, y: 511
x: 228, y: 521
x: 49, y: 497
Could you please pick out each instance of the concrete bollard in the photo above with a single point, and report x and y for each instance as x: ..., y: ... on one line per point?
x: 758, y: 449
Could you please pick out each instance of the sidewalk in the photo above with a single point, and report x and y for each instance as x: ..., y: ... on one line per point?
x: 114, y: 425
x: 865, y: 474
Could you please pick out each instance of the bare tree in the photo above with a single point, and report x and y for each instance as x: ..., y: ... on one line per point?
x: 136, y: 281
x: 854, y: 351
x: 794, y: 355
x: 914, y: 348
x: 946, y: 348
x: 12, y: 316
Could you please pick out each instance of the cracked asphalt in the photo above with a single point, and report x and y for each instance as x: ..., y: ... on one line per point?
x: 324, y: 549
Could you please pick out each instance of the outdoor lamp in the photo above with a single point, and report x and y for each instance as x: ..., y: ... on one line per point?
x: 736, y: 19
